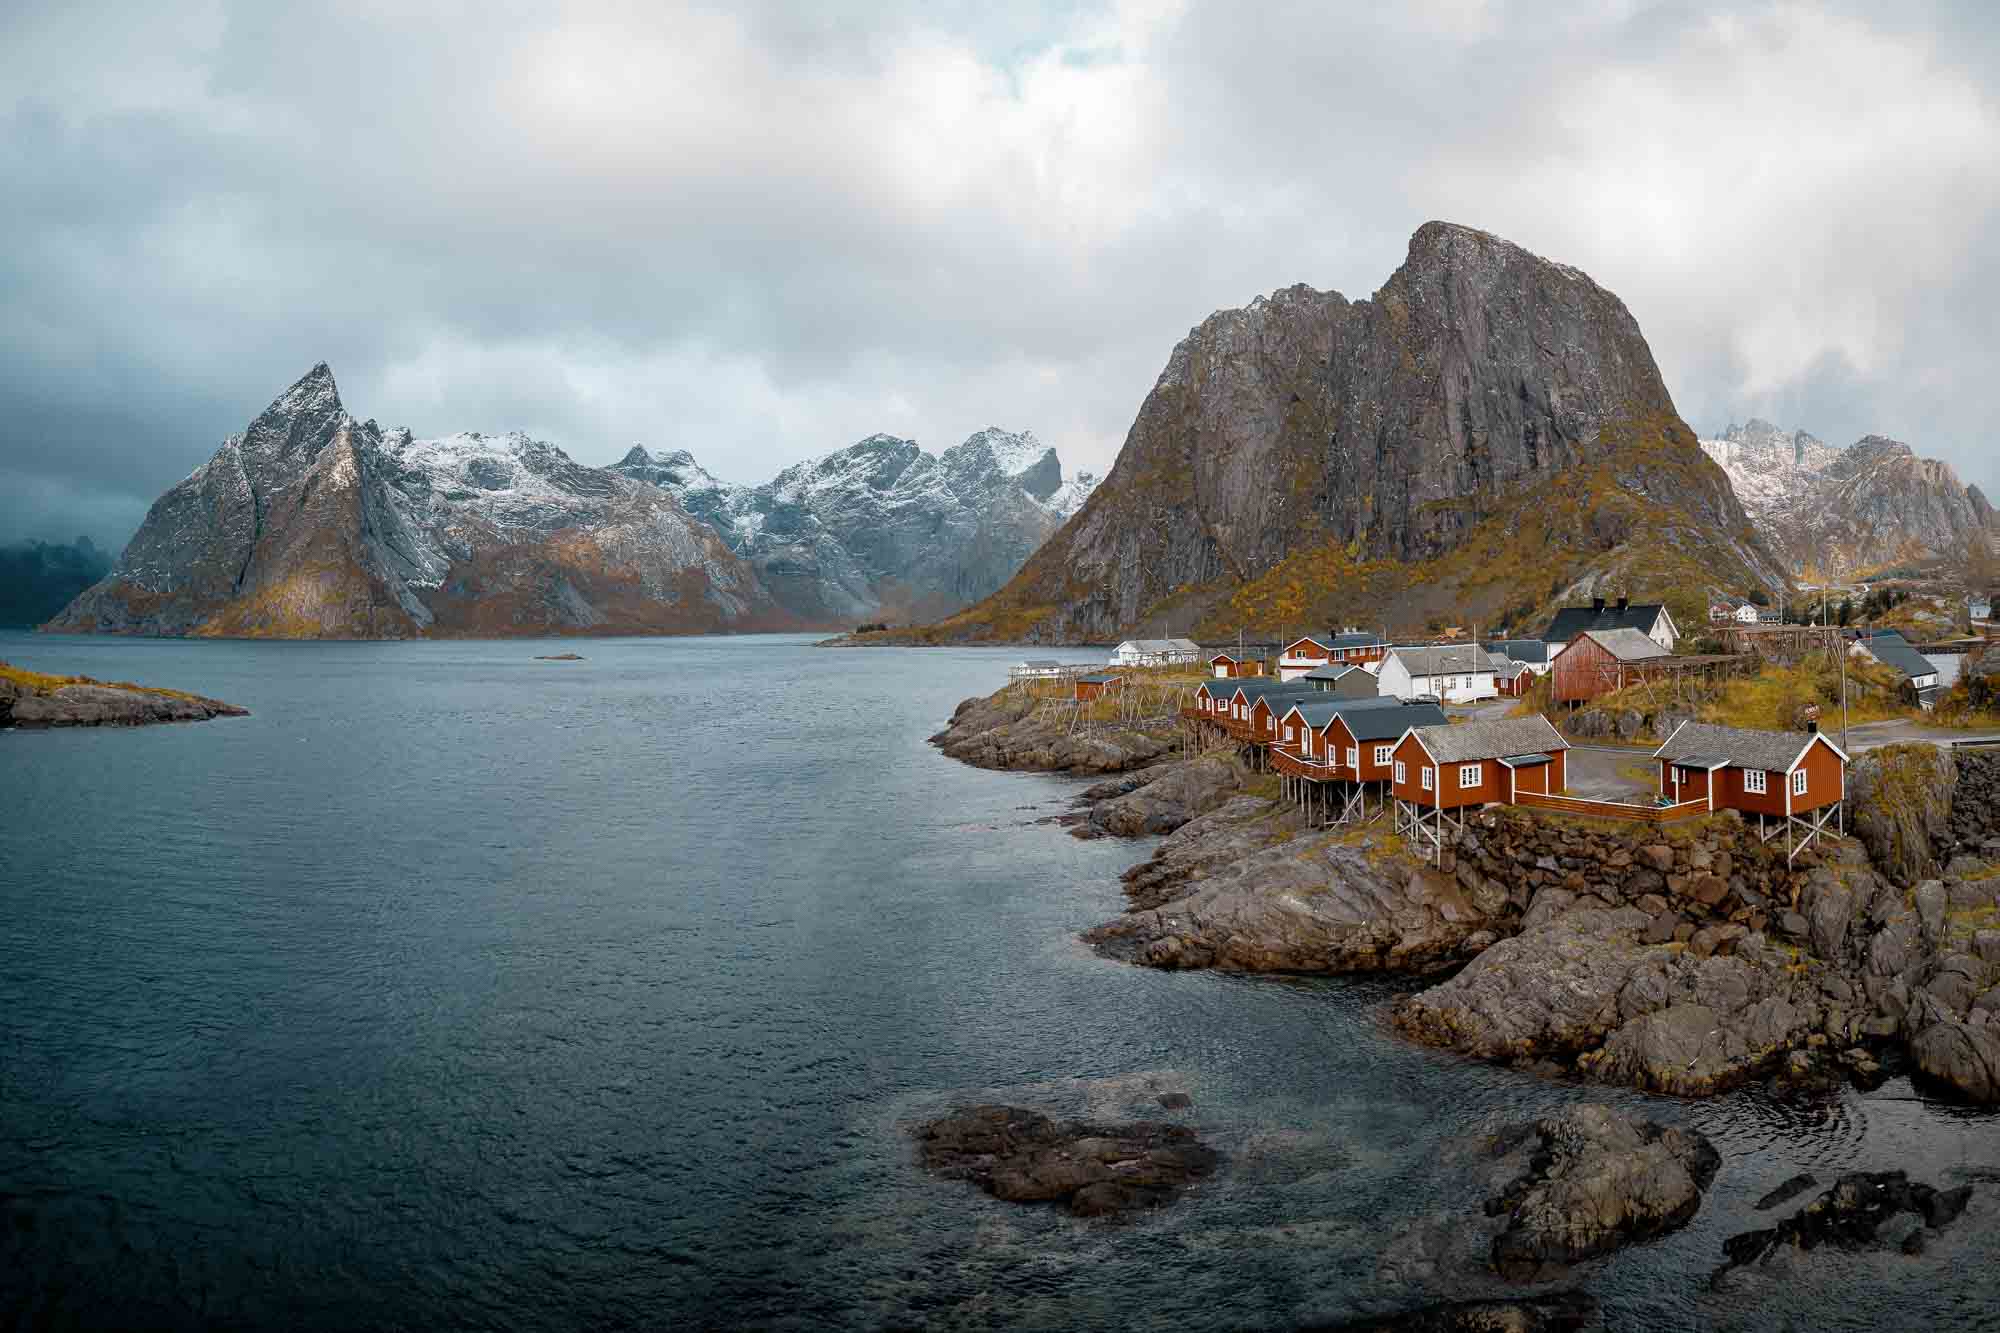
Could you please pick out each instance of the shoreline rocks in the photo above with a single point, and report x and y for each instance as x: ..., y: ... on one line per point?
x: 82, y: 702
x: 1022, y: 1156
x: 1013, y: 730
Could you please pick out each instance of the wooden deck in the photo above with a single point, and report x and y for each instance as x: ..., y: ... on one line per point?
x: 1644, y: 814
x: 1292, y: 765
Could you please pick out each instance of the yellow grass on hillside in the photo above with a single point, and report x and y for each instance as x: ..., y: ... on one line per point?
x: 41, y: 682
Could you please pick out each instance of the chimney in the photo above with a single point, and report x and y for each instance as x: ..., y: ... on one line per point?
x: 1812, y: 727
x: 1623, y: 602
x: 1597, y: 606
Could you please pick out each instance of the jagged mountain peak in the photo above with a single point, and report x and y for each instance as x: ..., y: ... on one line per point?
x: 1289, y: 442
x: 311, y: 524
x: 1834, y: 513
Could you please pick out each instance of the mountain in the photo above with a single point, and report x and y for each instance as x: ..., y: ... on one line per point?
x: 1838, y: 513
x: 311, y: 524
x: 883, y: 529
x: 1484, y: 437
x: 38, y: 579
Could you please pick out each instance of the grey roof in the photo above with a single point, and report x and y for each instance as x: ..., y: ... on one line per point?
x: 1357, y: 639
x: 1319, y: 708
x: 1041, y: 662
x: 1627, y: 645
x: 1893, y: 650
x: 1161, y: 645
x: 1701, y: 744
x: 1386, y: 724
x: 1574, y: 620
x: 1525, y: 760
x: 1451, y: 659
x: 1490, y: 740
x: 1521, y: 650
x: 1102, y: 678
x: 1256, y: 687
x: 1218, y: 689
x: 1332, y: 671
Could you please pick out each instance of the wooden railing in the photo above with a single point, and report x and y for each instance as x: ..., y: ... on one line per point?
x: 1284, y: 761
x: 1644, y: 814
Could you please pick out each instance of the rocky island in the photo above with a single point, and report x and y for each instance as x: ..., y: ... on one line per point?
x: 34, y: 699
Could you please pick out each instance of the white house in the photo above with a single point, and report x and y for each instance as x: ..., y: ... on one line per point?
x: 1894, y: 651
x: 1746, y: 614
x: 1156, y: 652
x: 1456, y: 673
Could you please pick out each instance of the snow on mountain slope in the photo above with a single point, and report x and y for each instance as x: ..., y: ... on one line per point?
x: 883, y: 528
x: 312, y: 524
x: 1834, y: 513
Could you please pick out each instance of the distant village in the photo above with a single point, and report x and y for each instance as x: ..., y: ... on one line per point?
x: 1356, y: 726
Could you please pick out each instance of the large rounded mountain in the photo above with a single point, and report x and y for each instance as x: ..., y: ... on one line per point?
x: 1484, y: 437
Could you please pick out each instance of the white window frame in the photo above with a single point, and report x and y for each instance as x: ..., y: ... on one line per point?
x: 1427, y: 778
x: 1471, y: 775
x: 1799, y: 781
x: 1383, y: 753
x: 1755, y: 782
x: 1400, y: 774
x: 1354, y: 757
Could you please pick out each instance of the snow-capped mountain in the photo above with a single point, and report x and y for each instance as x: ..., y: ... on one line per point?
x: 1835, y: 513
x: 311, y: 524
x: 883, y: 528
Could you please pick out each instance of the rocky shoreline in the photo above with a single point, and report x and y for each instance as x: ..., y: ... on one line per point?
x: 1686, y: 959
x: 30, y: 700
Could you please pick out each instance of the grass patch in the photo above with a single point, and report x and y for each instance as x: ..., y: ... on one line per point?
x: 41, y: 682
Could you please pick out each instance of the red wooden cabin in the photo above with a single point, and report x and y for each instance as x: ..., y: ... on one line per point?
x: 1796, y: 777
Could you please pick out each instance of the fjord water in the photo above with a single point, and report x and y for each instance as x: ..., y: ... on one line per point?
x: 459, y: 989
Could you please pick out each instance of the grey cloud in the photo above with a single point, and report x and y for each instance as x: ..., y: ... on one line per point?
x: 762, y: 231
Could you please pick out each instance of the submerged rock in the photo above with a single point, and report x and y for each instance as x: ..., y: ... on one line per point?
x: 1095, y: 1170
x: 1597, y: 1180
x: 1556, y: 1312
x: 1860, y: 1211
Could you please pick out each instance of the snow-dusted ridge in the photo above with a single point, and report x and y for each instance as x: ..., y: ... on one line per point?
x: 884, y: 528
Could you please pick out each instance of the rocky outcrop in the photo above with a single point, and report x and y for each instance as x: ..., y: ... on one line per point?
x: 1836, y: 512
x: 1240, y: 890
x: 1597, y: 1181
x: 1490, y: 417
x: 1168, y: 796
x: 1016, y: 729
x: 1900, y: 803
x: 78, y: 701
x: 1094, y: 1170
x: 883, y: 529
x: 312, y: 524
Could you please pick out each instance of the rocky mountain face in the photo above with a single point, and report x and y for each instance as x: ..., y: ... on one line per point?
x: 312, y: 524
x: 1836, y: 513
x: 1486, y: 434
x: 883, y: 529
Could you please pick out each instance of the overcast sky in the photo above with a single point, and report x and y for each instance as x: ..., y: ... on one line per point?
x: 761, y: 232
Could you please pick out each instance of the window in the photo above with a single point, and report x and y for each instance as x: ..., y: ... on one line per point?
x: 1400, y: 776
x: 1429, y: 777
x: 1382, y: 753
x: 1753, y: 780
x: 1354, y: 755
x: 1470, y: 775
x: 1798, y: 782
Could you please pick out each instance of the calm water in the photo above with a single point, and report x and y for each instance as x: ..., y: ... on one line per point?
x: 455, y: 988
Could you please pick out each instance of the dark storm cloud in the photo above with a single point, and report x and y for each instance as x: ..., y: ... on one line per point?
x: 762, y: 231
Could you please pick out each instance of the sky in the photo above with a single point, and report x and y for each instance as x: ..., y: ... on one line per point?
x: 761, y: 232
